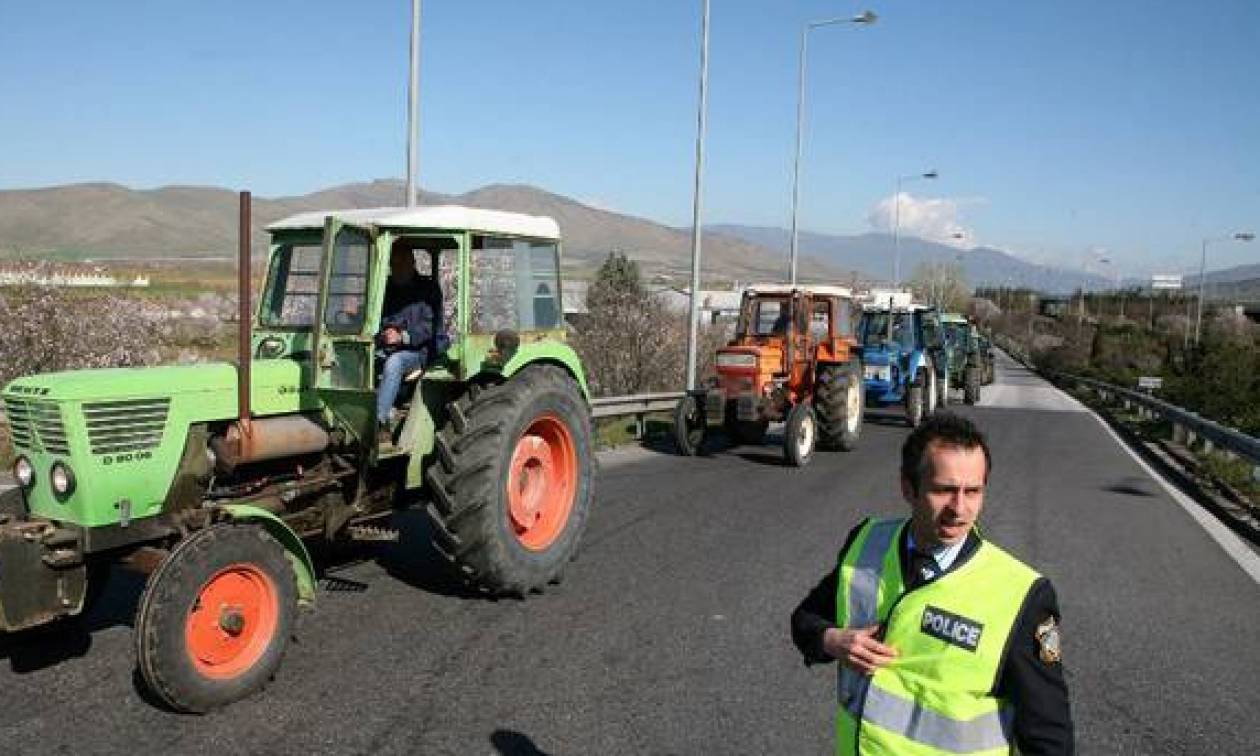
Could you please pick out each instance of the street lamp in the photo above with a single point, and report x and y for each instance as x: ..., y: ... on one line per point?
x: 693, y: 307
x: 897, y: 221
x: 1245, y: 236
x: 865, y: 18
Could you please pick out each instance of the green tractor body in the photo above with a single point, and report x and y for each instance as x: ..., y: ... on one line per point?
x: 963, y: 357
x: 173, y: 472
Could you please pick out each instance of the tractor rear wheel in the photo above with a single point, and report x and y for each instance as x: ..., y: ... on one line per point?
x: 971, y: 386
x: 513, y: 481
x: 689, y: 426
x: 800, y: 435
x: 916, y: 400
x: 215, y: 617
x: 839, y: 396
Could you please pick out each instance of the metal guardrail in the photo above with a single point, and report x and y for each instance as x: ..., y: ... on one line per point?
x: 637, y: 405
x: 1188, y: 426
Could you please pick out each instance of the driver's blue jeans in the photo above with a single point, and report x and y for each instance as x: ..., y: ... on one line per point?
x: 397, y: 365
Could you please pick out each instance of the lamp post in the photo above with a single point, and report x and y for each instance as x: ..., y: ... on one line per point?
x: 1245, y: 236
x: 693, y: 310
x: 413, y: 108
x: 865, y: 18
x: 897, y: 221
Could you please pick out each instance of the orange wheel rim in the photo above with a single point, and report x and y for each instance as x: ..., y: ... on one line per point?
x: 542, y: 482
x: 232, y: 621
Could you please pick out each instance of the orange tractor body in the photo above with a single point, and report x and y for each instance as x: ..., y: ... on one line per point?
x: 794, y: 358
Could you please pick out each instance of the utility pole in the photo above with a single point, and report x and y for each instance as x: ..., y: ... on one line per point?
x: 693, y: 312
x: 413, y: 108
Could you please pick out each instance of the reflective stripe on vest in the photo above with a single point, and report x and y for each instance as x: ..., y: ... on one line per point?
x: 911, y: 720
x: 887, y: 713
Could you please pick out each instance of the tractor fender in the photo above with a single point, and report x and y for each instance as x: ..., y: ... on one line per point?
x: 549, y: 352
x: 294, y: 549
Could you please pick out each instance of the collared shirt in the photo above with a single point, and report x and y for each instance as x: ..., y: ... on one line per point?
x: 944, y: 555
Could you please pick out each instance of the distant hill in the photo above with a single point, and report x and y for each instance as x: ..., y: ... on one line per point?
x: 110, y: 221
x: 872, y: 256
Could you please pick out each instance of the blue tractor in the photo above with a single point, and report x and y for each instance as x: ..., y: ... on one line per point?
x: 902, y: 357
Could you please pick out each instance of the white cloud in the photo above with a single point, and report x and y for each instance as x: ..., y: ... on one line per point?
x: 934, y: 219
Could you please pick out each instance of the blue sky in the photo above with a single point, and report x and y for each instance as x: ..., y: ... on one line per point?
x: 1063, y: 131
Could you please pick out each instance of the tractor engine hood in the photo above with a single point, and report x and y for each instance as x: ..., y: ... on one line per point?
x: 207, y: 389
x: 887, y: 354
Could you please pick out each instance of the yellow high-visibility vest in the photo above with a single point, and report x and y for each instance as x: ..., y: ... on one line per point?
x: 937, y: 696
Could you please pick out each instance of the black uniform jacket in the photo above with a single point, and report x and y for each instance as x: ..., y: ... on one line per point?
x: 1036, y: 688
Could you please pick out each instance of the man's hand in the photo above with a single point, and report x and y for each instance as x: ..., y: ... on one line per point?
x: 391, y: 336
x: 856, y: 647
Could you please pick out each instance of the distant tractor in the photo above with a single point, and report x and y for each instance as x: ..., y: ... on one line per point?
x: 793, y: 359
x: 211, y: 478
x: 902, y: 357
x: 964, y: 364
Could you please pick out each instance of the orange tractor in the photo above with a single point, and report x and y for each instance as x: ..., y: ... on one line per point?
x: 794, y: 358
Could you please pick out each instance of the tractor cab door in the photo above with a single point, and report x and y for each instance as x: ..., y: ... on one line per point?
x: 345, y: 329
x: 801, y: 344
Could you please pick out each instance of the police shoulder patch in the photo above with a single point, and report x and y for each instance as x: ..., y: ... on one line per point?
x: 1048, y: 641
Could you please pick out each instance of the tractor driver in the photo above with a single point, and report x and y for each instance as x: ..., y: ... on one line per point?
x: 408, y: 338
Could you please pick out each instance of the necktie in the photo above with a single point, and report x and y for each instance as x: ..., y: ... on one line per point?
x: 923, y: 567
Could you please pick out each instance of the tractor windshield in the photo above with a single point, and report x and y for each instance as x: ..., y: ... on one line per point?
x: 874, y: 328
x: 763, y: 316
x: 291, y: 295
x: 515, y: 284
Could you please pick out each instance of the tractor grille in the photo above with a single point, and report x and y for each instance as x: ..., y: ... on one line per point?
x: 126, y: 425
x: 36, y: 426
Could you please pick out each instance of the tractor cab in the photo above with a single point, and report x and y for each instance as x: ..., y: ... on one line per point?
x: 789, y: 341
x: 961, y: 353
x: 901, y: 354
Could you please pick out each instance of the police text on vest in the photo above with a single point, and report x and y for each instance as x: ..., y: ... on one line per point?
x: 951, y: 628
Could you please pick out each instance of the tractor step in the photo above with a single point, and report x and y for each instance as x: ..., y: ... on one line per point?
x: 372, y: 533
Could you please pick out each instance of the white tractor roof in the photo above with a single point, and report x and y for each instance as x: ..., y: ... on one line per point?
x: 443, y: 217
x: 816, y: 289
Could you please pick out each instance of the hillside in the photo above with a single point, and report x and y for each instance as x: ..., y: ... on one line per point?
x: 111, y: 221
x: 872, y: 255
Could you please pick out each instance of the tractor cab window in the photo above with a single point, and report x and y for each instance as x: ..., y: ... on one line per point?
x: 291, y: 296
x: 515, y: 284
x: 931, y: 330
x: 769, y: 317
x: 347, y: 282
x: 436, y: 258
x: 820, y: 321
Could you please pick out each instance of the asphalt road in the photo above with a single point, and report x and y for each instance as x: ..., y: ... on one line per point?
x: 669, y: 635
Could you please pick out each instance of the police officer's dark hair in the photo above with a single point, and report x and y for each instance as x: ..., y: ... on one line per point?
x: 945, y: 429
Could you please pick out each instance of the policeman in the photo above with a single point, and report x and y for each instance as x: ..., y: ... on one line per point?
x: 946, y: 643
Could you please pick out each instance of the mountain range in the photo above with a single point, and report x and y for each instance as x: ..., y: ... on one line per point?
x: 103, y: 221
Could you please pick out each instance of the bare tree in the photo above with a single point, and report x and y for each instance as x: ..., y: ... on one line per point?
x: 941, y: 284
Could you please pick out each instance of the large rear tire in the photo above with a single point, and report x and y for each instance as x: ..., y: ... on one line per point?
x: 800, y: 435
x: 839, y: 397
x: 513, y: 481
x: 215, y: 618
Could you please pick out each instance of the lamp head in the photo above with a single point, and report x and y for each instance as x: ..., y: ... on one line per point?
x: 931, y: 174
x: 1244, y: 236
x: 865, y: 17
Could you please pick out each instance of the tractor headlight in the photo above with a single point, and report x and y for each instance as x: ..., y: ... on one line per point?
x: 736, y: 360
x: 24, y: 471
x: 62, y: 479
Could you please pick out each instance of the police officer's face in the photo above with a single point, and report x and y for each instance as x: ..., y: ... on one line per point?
x: 950, y: 496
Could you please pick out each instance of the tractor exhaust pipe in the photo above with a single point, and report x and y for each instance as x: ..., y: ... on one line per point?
x: 243, y: 318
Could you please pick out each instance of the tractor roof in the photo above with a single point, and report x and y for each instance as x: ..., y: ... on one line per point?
x: 953, y: 317
x: 441, y: 217
x: 815, y: 289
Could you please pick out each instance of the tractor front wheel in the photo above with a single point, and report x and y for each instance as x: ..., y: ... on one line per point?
x: 215, y: 618
x: 800, y: 435
x: 971, y: 385
x: 513, y: 481
x: 916, y: 400
x: 689, y: 426
x: 839, y: 396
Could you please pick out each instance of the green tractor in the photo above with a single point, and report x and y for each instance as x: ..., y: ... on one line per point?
x: 964, y: 360
x: 212, y: 479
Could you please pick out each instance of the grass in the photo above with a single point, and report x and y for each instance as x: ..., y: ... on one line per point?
x: 7, y: 454
x: 618, y: 431
x: 1235, y: 472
